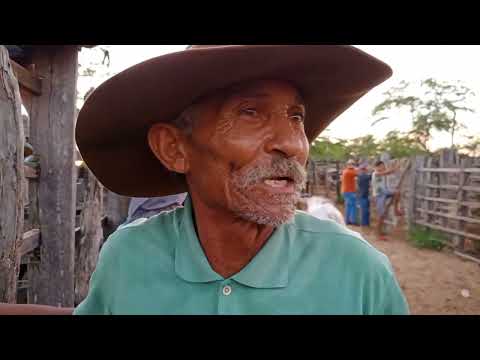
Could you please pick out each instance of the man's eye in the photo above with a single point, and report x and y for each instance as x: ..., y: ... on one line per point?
x: 298, y: 117
x: 249, y: 112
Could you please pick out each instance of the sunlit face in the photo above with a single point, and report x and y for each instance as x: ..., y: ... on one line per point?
x: 380, y: 167
x: 248, y: 151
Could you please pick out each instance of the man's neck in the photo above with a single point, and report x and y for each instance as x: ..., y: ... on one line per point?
x: 229, y: 243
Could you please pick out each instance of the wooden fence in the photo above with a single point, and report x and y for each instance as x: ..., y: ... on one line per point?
x: 53, y: 215
x: 440, y: 192
x: 447, y: 198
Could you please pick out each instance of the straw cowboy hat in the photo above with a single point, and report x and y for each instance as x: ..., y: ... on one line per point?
x: 112, y: 125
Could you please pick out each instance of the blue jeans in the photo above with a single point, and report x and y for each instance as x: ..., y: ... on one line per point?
x: 350, y: 207
x: 365, y: 211
x: 381, y: 201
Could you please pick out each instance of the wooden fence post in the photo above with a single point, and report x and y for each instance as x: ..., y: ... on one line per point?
x: 11, y: 179
x: 458, y: 240
x: 417, y: 163
x: 52, y: 135
x: 91, y: 236
x: 116, y: 210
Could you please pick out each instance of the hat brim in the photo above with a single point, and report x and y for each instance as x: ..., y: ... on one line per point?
x: 112, y: 126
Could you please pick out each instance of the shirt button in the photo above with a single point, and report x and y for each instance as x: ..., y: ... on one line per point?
x: 227, y: 290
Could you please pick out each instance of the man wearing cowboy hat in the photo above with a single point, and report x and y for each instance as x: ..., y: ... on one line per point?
x: 230, y: 125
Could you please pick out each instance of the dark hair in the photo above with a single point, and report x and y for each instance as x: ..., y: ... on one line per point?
x: 379, y: 162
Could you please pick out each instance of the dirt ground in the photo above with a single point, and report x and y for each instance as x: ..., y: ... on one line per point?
x: 434, y: 282
x: 431, y: 280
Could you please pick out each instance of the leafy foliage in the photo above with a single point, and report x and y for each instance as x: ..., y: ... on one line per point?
x: 437, y: 109
x: 424, y: 237
x: 400, y: 145
x: 325, y: 149
x: 397, y: 144
x: 473, y: 146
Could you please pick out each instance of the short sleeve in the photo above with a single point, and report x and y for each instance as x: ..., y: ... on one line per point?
x: 101, y: 287
x: 393, y: 301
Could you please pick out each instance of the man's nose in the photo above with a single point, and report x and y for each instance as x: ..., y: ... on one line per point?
x: 288, y: 140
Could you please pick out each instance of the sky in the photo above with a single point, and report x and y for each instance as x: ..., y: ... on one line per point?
x: 411, y: 63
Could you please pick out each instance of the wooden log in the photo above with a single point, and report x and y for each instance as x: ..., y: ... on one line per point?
x: 91, y: 237
x: 26, y: 79
x: 52, y: 135
x: 30, y: 241
x: 11, y: 179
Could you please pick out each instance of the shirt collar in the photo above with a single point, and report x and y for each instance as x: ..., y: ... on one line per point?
x: 268, y: 269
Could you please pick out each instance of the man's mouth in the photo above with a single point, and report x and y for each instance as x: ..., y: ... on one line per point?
x: 279, y: 182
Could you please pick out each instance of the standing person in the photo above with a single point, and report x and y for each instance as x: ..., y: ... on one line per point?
x: 349, y: 190
x: 364, y: 179
x: 237, y: 140
x: 382, y: 193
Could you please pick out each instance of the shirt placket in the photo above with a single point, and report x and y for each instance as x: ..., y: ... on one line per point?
x: 225, y: 297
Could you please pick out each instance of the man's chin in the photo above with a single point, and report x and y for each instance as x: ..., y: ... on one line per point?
x: 263, y: 216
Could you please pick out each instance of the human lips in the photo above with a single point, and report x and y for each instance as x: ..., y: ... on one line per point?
x: 280, y: 176
x: 282, y: 184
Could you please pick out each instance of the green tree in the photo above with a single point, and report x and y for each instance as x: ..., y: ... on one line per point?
x: 472, y: 147
x: 325, y: 149
x: 438, y: 108
x: 400, y: 145
x: 363, y: 147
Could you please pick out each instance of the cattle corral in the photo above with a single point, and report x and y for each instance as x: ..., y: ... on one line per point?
x: 439, y: 192
x: 54, y: 215
x: 442, y: 193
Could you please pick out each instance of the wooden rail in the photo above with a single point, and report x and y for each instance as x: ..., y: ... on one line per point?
x: 450, y: 187
x: 448, y: 230
x: 449, y: 170
x: 455, y: 217
x: 32, y: 238
x: 30, y: 241
x: 27, y: 79
x: 449, y: 201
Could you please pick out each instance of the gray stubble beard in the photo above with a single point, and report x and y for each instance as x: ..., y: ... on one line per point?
x: 249, y: 207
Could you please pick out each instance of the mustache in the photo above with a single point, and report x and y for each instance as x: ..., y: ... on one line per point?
x: 279, y: 167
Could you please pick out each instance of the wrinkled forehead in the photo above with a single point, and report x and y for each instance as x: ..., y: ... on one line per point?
x: 265, y: 88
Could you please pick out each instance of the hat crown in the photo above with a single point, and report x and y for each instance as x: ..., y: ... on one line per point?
x: 193, y: 47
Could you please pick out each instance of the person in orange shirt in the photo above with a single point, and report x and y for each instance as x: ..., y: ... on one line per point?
x: 349, y: 191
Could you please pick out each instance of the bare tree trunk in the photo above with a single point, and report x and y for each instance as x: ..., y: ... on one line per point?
x: 454, y: 126
x: 87, y: 248
x: 11, y: 179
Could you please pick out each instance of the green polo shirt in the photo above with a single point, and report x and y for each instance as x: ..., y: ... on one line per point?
x: 308, y: 266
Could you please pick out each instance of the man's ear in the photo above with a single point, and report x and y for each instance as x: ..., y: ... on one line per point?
x: 168, y: 144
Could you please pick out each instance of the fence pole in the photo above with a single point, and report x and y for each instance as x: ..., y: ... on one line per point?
x: 11, y: 179
x: 52, y: 135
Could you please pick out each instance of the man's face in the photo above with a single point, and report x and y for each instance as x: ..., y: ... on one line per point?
x: 248, y: 151
x: 380, y: 167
